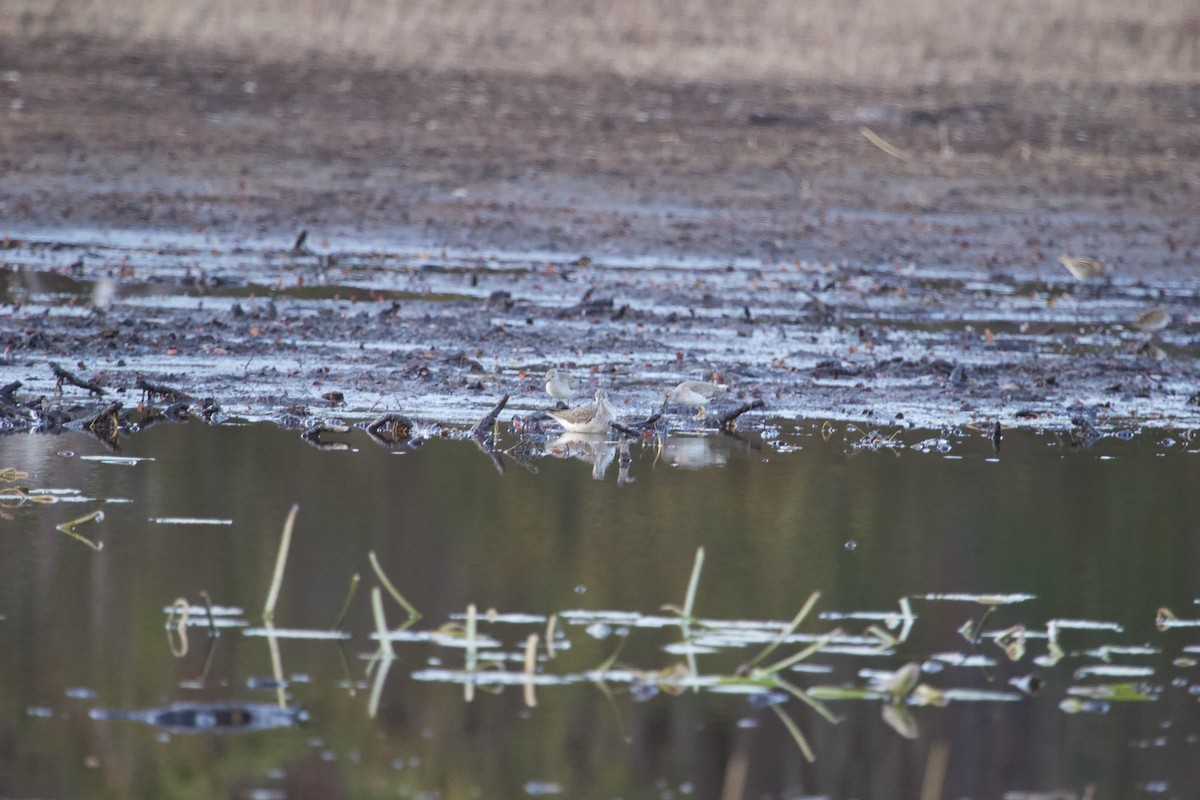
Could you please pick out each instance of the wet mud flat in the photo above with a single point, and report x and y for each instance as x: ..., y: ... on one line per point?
x: 469, y: 231
x: 356, y: 329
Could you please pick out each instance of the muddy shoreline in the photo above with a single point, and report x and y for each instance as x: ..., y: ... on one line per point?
x: 467, y: 232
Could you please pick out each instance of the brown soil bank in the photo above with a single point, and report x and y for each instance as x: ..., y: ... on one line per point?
x: 843, y: 161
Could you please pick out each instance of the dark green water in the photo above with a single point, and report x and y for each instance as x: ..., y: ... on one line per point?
x: 1106, y: 534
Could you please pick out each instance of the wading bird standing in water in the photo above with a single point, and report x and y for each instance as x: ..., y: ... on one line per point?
x: 593, y: 418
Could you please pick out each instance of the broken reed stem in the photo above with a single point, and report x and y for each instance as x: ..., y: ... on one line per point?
x: 407, y: 606
x: 906, y: 618
x: 530, y: 665
x: 285, y: 543
x: 550, y: 624
x: 349, y: 678
x: 935, y: 771
x: 386, y: 649
x: 208, y: 660
x: 212, y: 621
x: 803, y: 654
x: 276, y: 665
x: 788, y: 631
x: 805, y: 749
x: 877, y: 140
x: 607, y: 664
x: 469, y: 684
x: 689, y: 600
x: 812, y: 702
x: 385, y: 664
x: 69, y: 529
x: 337, y: 626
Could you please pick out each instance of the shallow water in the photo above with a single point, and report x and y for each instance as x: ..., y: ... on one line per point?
x: 1100, y: 537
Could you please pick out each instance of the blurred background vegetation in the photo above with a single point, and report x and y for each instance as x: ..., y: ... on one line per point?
x: 854, y: 41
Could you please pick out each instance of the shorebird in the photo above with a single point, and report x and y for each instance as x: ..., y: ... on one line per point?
x: 1153, y: 319
x: 560, y: 386
x: 592, y: 418
x: 1082, y: 267
x: 695, y: 394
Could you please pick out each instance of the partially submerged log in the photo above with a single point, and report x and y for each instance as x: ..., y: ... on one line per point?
x: 726, y: 421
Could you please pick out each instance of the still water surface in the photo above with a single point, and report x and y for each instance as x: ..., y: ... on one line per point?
x: 1104, y: 535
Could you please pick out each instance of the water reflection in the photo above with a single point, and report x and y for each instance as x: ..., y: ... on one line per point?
x: 696, y: 452
x: 208, y: 717
x: 591, y: 448
x: 1077, y: 554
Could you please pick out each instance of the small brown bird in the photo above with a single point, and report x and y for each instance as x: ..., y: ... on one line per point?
x: 1153, y: 319
x: 1082, y: 268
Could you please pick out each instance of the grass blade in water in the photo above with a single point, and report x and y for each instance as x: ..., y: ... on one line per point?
x: 413, y: 614
x: 285, y: 543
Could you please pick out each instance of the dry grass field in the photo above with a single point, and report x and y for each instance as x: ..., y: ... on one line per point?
x: 880, y: 42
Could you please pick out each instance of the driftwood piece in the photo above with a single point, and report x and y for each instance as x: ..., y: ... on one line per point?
x: 105, y: 424
x: 7, y: 393
x: 390, y: 429
x: 64, y: 376
x: 167, y: 393
x: 726, y: 420
x: 312, y: 436
x: 635, y: 429
x: 483, y: 428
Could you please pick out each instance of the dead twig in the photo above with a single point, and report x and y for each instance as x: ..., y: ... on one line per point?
x: 299, y: 247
